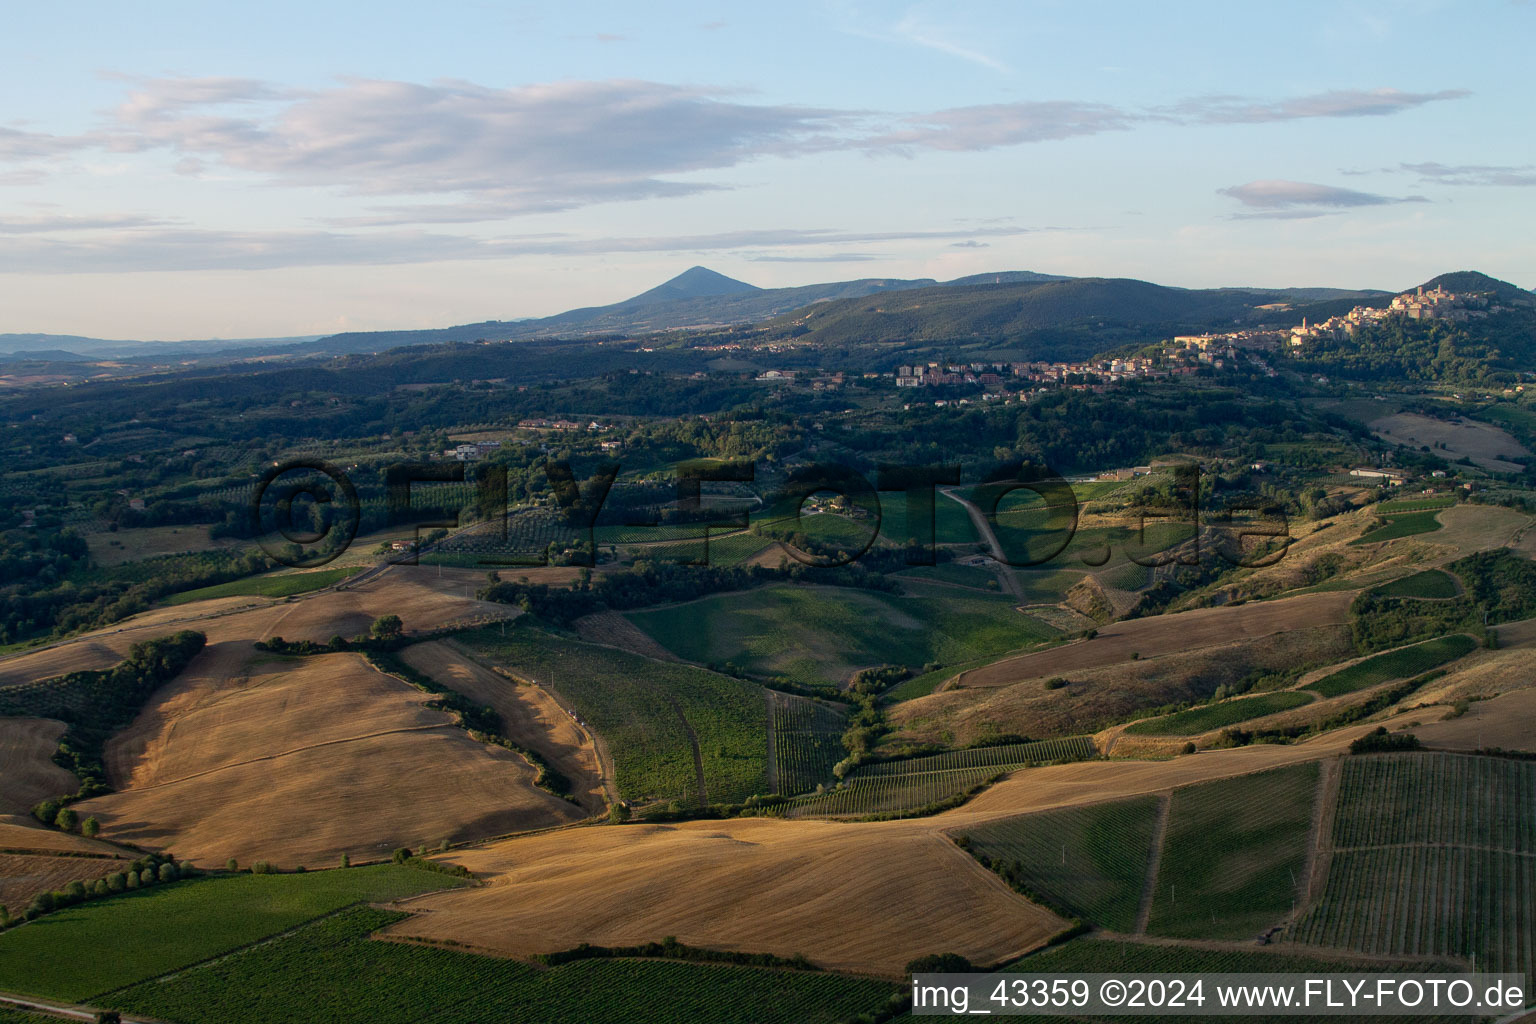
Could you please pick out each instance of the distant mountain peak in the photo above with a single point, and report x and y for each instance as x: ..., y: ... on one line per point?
x: 693, y: 283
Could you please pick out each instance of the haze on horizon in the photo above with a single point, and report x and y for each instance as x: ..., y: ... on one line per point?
x: 189, y: 172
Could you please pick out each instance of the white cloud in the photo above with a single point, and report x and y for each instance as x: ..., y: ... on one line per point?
x: 1521, y: 175
x: 179, y: 249
x: 1336, y: 103
x: 1293, y: 199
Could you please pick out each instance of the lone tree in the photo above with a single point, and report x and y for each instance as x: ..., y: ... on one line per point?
x: 386, y: 627
x: 67, y: 819
x: 91, y: 828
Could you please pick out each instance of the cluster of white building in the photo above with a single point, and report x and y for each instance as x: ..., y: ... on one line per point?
x: 1435, y: 304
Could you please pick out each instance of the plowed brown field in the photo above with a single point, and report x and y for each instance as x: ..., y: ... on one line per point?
x: 27, y: 771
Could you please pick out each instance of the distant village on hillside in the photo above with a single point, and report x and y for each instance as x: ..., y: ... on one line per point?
x: 1187, y: 353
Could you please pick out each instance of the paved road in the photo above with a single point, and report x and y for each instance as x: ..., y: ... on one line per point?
x: 984, y: 530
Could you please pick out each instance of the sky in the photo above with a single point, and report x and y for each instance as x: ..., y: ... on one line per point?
x: 191, y: 170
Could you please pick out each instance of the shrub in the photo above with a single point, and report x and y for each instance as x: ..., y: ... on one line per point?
x: 148, y: 876
x: 168, y: 872
x: 231, y: 865
x: 91, y: 827
x: 1056, y: 682
x: 66, y: 819
x: 939, y: 963
x: 117, y: 881
x: 402, y: 855
x: 1189, y: 748
x: 1380, y: 741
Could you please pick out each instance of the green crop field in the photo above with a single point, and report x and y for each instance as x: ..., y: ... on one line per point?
x: 1398, y: 664
x: 1197, y: 720
x: 820, y: 634
x: 732, y: 549
x: 644, y: 710
x: 152, y: 931
x: 1091, y: 861
x: 1416, y: 504
x: 1073, y: 748
x: 1434, y: 854
x: 1235, y: 855
x: 890, y: 794
x: 977, y: 577
x: 951, y: 523
x: 1404, y: 524
x: 1127, y: 575
x: 1024, y: 537
x: 807, y: 741
x: 17, y: 1017
x: 1431, y: 583
x: 888, y: 787
x: 332, y: 971
x: 286, y: 584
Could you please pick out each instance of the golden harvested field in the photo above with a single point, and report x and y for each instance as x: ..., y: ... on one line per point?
x: 530, y: 716
x: 1507, y: 721
x: 1487, y: 445
x: 1165, y: 634
x: 27, y: 771
x: 1067, y: 785
x: 1096, y: 696
x: 858, y: 896
x: 412, y: 592
x: 23, y: 876
x: 861, y: 897
x: 23, y: 833
x: 296, y: 761
x: 1472, y: 528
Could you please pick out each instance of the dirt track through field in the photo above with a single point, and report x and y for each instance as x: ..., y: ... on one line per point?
x: 1154, y: 863
x: 530, y: 716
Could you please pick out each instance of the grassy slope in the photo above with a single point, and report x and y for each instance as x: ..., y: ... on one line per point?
x: 1089, y: 860
x: 1194, y: 721
x: 277, y: 585
x: 1398, y: 664
x: 819, y: 634
x: 332, y: 971
x: 1234, y: 854
x: 149, y: 932
x: 1431, y: 583
x: 1407, y: 524
x: 633, y: 703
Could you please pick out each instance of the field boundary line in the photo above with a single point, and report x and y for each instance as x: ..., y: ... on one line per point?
x: 215, y: 958
x: 693, y: 741
x: 1154, y: 861
x: 608, y: 780
x: 1320, y: 848
x: 286, y: 753
x: 773, y: 753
